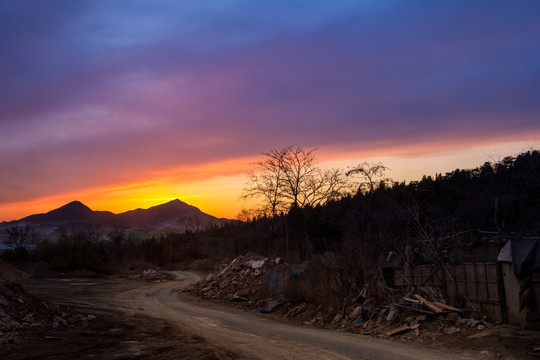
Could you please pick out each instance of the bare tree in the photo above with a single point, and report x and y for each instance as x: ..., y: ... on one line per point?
x: 18, y: 235
x: 290, y: 178
x: 300, y: 175
x: 117, y: 235
x: 369, y: 173
x: 266, y: 182
x: 189, y: 222
x: 94, y: 233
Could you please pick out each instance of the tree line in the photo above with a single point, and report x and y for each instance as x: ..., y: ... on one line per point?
x: 305, y: 211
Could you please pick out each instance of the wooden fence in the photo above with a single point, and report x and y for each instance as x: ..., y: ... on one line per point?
x: 476, y: 286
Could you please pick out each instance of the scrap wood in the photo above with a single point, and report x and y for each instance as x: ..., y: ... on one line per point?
x: 427, y: 304
x: 398, y: 330
x: 367, y: 324
x: 417, y: 310
x: 444, y: 306
x: 411, y: 300
x: 402, y: 328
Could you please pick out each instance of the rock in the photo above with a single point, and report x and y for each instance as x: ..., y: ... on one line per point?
x: 451, y: 330
x: 58, y: 320
x: 90, y: 317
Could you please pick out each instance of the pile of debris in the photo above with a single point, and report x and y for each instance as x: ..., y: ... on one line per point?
x: 413, y: 313
x: 153, y: 275
x: 409, y: 315
x: 241, y: 280
x: 20, y: 310
x: 249, y: 279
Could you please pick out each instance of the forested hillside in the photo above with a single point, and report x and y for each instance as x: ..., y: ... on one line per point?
x: 500, y: 198
x: 417, y: 222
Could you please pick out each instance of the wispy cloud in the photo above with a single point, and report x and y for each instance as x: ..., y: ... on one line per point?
x: 99, y: 93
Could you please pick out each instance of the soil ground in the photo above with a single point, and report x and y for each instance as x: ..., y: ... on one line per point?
x: 141, y: 324
x: 112, y: 336
x: 504, y: 341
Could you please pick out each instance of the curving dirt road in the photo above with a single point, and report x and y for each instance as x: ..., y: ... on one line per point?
x: 255, y: 336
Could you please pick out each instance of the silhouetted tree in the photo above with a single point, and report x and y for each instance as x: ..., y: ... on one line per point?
x: 369, y: 173
x: 18, y: 235
x: 290, y: 178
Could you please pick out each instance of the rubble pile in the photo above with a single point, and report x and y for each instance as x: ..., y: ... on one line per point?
x: 19, y: 310
x: 238, y: 281
x: 410, y: 315
x: 422, y: 310
x: 153, y: 275
x: 413, y: 314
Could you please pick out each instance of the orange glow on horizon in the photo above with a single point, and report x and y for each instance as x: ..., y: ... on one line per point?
x: 215, y: 188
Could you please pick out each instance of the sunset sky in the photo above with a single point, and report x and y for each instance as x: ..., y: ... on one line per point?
x: 126, y: 104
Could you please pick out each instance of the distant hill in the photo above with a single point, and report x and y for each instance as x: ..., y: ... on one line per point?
x: 174, y: 215
x: 73, y: 213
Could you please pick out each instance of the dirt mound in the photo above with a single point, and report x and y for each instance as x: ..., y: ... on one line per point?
x: 20, y: 310
x: 9, y: 272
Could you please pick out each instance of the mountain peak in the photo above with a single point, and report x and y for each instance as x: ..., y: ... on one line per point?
x: 75, y: 205
x: 171, y: 215
x: 73, y: 211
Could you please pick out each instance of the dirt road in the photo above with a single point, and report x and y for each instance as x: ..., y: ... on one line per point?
x: 255, y: 336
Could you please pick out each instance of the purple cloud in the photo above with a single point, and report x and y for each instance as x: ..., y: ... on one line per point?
x: 96, y: 92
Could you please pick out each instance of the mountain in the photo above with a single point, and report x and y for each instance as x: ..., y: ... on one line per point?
x: 73, y: 213
x: 174, y: 215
